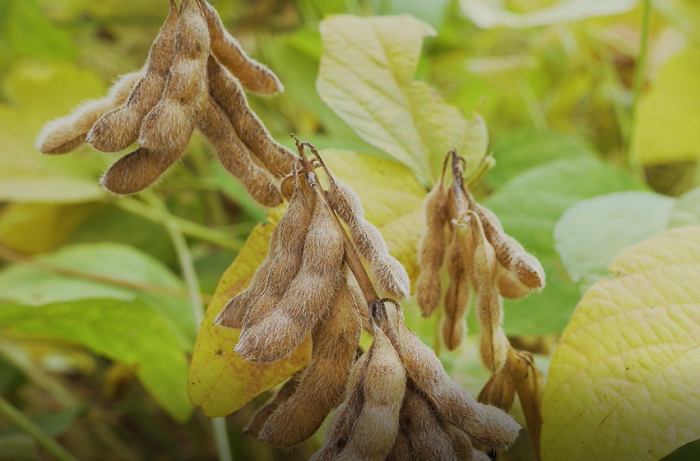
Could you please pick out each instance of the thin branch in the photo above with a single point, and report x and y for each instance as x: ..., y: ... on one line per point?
x: 34, y: 431
x: 12, y: 256
x: 637, y: 85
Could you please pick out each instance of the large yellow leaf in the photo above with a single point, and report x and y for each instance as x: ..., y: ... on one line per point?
x: 366, y: 77
x: 221, y: 382
x: 624, y: 381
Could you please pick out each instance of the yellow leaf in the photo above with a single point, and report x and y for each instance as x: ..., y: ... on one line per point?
x: 366, y: 77
x: 623, y: 380
x: 221, y: 381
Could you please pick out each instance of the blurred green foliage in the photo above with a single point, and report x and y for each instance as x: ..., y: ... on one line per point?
x: 95, y: 324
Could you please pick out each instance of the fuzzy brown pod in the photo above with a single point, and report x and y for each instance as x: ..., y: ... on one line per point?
x: 276, y: 273
x: 341, y: 423
x: 322, y: 386
x: 389, y: 274
x: 431, y: 250
x: 64, y: 134
x: 529, y: 383
x: 235, y: 158
x: 401, y: 451
x: 138, y: 170
x: 527, y: 269
x: 119, y: 128
x: 283, y: 394
x: 227, y: 91
x: 493, y: 343
x: 425, y: 432
x: 499, y: 390
x: 308, y: 298
x: 252, y: 75
x: 375, y: 430
x: 489, y: 425
x: 170, y: 123
x: 454, y: 326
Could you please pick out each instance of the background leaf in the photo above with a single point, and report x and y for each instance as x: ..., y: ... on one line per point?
x: 129, y: 331
x: 366, y: 77
x: 623, y: 379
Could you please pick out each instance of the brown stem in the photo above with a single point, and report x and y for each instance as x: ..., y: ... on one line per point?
x: 351, y: 257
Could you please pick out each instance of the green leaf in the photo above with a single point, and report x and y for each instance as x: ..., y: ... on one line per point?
x: 623, y: 379
x: 518, y: 151
x: 131, y: 332
x: 529, y: 206
x: 667, y: 119
x: 31, y: 34
x: 491, y: 13
x: 52, y: 424
x: 366, y: 77
x: 592, y: 232
x: 683, y: 14
x: 41, y: 92
x: 22, y: 284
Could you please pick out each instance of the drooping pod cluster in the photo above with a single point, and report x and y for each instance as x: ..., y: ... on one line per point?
x: 401, y: 405
x: 193, y: 77
x: 469, y: 239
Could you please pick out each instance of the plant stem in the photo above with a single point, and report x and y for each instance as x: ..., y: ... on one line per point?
x: 189, y: 228
x: 184, y: 256
x: 637, y: 85
x: 34, y: 431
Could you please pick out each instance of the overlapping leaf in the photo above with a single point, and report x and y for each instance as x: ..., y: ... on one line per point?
x: 623, y: 380
x: 366, y: 77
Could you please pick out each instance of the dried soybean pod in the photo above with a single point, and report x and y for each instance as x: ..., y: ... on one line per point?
x: 431, y: 250
x: 335, y: 341
x: 275, y: 274
x: 454, y: 325
x: 493, y: 343
x: 388, y: 272
x: 377, y: 425
x: 234, y: 156
x: 252, y: 75
x: 461, y: 443
x: 509, y: 252
x: 529, y: 383
x: 226, y: 90
x: 119, y: 128
x: 259, y: 418
x: 169, y: 125
x: 64, y: 134
x: 343, y: 420
x: 499, y: 390
x: 309, y: 295
x: 425, y: 432
x: 488, y: 424
x: 401, y: 451
x: 138, y: 170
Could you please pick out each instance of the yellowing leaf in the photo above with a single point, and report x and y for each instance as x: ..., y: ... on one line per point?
x: 668, y: 117
x: 366, y: 76
x: 623, y: 380
x: 40, y: 93
x: 221, y: 381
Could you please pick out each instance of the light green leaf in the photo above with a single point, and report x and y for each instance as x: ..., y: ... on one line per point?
x: 29, y: 285
x: 31, y: 34
x: 592, y: 232
x: 667, y: 119
x: 492, y: 13
x: 623, y: 379
x: 366, y: 77
x: 518, y: 151
x: 683, y: 14
x: 529, y: 206
x: 131, y: 332
x: 40, y: 93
